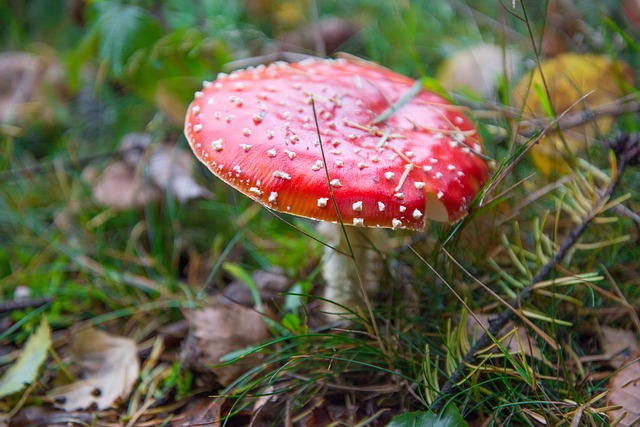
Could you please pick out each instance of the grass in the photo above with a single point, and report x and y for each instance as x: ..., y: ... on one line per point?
x: 139, y: 272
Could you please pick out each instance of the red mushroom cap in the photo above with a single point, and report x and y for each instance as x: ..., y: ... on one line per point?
x: 255, y: 130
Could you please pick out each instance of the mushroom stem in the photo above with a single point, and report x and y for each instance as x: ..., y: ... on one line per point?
x: 349, y: 280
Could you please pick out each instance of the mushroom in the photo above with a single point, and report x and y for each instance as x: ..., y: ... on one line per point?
x: 388, y: 154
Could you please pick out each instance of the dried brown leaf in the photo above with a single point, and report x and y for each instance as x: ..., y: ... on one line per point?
x: 222, y: 329
x: 109, y: 367
x: 618, y: 345
x: 120, y: 187
x: 171, y: 168
x: 624, y: 390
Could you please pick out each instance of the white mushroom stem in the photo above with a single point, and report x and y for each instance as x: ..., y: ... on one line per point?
x: 346, y: 278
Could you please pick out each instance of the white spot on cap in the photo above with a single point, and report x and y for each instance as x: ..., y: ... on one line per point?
x: 197, y: 127
x: 317, y: 165
x: 245, y: 147
x: 438, y: 175
x: 399, y: 195
x: 271, y: 152
x: 433, y: 160
x: 273, y: 197
x: 357, y: 206
x: 229, y: 117
x: 258, y: 117
x: 280, y: 174
x: 410, y: 154
x: 286, y: 115
x: 427, y: 168
x: 395, y: 223
x: 389, y: 175
x: 335, y: 183
x: 270, y: 134
x: 451, y: 167
x: 246, y: 131
x: 358, y: 222
x: 419, y: 185
x: 322, y: 202
x: 440, y: 194
x: 362, y: 165
x: 291, y: 154
x: 217, y: 144
x: 381, y: 207
x: 339, y: 163
x: 210, y: 100
x: 417, y: 214
x: 238, y: 86
x: 195, y: 109
x: 237, y: 169
x: 402, y: 208
x: 198, y: 94
x: 256, y: 191
x: 459, y: 120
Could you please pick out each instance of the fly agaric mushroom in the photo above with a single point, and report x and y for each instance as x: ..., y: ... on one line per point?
x: 388, y: 153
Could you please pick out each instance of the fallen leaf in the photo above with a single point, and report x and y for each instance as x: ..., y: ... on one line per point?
x: 120, y: 187
x: 520, y: 342
x: 618, y: 345
x: 25, y: 369
x: 570, y: 77
x: 478, y: 69
x: 448, y: 417
x: 222, y: 329
x: 170, y: 169
x: 624, y: 390
x: 109, y: 368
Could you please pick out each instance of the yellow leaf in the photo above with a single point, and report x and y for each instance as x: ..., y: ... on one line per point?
x: 586, y: 80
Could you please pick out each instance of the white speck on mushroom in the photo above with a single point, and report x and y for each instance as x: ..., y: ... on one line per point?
x: 440, y: 194
x: 358, y: 222
x: 197, y: 127
x: 210, y: 100
x: 375, y: 158
x: 217, y: 144
x: 459, y: 120
x: 335, y: 152
x: 228, y: 118
x: 198, y: 94
x: 270, y: 134
x: 317, y: 165
x: 419, y: 185
x: 352, y: 136
x: 381, y: 206
x: 195, y: 109
x: 221, y: 76
x: 327, y: 115
x: 460, y: 173
x: 280, y: 174
x: 336, y: 142
x: 438, y: 175
x: 217, y: 115
x: 271, y: 152
x: 206, y: 83
x: 236, y: 100
x: 237, y: 169
x: 291, y: 154
x: 273, y: 197
x: 294, y: 138
x: 322, y: 202
x: 246, y: 131
x: 417, y: 214
x: 389, y: 175
x: 339, y: 163
x: 286, y: 115
x: 238, y: 86
x: 335, y: 182
x: 256, y: 191
x: 245, y: 147
x: 217, y: 85
x: 357, y: 206
x: 410, y: 154
x: 399, y: 195
x: 403, y: 208
x: 258, y: 117
x: 395, y: 223
x: 362, y: 165
x: 427, y: 168
x: 433, y: 160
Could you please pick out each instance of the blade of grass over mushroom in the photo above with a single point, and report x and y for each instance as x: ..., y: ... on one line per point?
x: 404, y: 100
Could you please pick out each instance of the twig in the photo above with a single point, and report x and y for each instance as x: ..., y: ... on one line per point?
x: 22, y: 303
x: 627, y: 154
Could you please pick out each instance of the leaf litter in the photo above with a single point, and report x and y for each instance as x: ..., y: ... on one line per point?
x: 109, y: 366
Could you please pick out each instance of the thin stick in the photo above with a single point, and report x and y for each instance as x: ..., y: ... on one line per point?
x: 495, y: 326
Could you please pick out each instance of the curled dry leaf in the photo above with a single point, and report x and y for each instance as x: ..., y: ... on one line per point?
x: 222, y: 329
x: 586, y: 80
x: 109, y: 368
x: 120, y: 187
x: 624, y: 390
x: 520, y: 342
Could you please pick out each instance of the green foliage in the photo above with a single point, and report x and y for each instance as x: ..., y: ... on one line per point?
x: 449, y: 417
